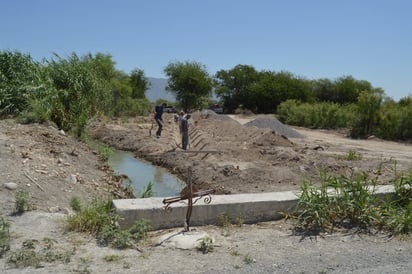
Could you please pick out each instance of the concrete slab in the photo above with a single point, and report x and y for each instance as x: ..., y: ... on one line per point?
x: 250, y: 207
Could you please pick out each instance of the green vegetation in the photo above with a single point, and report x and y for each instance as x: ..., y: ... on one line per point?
x: 92, y: 217
x: 224, y: 220
x: 23, y: 201
x: 248, y: 259
x: 351, y: 156
x: 316, y: 115
x: 342, y: 202
x: 75, y: 204
x: 4, y: 236
x: 147, y: 191
x: 191, y: 84
x: 205, y: 245
x: 34, y: 253
x: 104, y: 152
x: 113, y: 258
x: 70, y: 91
x: 99, y: 219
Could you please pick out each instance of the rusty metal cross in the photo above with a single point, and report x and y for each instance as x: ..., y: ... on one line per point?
x: 189, y: 193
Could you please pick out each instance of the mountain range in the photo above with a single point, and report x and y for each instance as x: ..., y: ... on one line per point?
x: 157, y: 90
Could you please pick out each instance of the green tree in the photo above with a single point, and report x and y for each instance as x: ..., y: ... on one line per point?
x: 273, y: 88
x: 233, y: 85
x: 190, y: 82
x: 139, y: 84
x: 323, y: 89
x: 103, y: 65
x: 347, y: 89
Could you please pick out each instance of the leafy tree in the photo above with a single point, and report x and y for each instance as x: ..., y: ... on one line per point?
x: 190, y: 82
x: 323, y: 90
x: 347, y: 89
x: 272, y: 88
x: 139, y: 84
x: 233, y: 85
x: 103, y: 65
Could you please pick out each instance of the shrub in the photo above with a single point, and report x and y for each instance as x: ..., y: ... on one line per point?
x: 92, y: 217
x: 4, y: 236
x: 205, y: 245
x: 75, y: 204
x: 317, y: 115
x: 140, y: 228
x: 343, y: 202
x: 23, y: 201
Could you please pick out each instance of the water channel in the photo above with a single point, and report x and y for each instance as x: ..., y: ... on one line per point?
x: 141, y: 173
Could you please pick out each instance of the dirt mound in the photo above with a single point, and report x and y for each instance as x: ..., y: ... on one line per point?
x: 275, y: 125
x: 51, y: 165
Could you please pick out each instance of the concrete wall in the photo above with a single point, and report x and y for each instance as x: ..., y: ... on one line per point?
x: 251, y: 207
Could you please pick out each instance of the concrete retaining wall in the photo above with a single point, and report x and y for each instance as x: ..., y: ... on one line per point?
x: 251, y: 207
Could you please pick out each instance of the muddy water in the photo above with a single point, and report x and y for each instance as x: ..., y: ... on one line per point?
x: 141, y: 173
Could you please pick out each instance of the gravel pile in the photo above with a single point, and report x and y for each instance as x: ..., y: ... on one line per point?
x: 275, y: 125
x: 210, y: 114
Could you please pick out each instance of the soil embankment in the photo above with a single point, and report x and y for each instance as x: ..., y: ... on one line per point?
x: 54, y: 167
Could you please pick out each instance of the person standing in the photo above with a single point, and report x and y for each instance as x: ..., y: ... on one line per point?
x: 158, y: 118
x: 184, y: 130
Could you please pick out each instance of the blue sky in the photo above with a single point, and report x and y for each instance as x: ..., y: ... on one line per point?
x: 368, y: 39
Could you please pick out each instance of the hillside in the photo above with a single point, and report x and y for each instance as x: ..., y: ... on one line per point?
x: 158, y: 90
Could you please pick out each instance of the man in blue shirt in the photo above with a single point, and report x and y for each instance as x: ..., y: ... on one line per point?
x: 158, y: 117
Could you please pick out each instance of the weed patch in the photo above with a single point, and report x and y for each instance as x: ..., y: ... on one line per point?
x: 4, y: 236
x: 205, y: 245
x: 34, y: 254
x: 23, y: 201
x: 99, y: 219
x: 341, y: 202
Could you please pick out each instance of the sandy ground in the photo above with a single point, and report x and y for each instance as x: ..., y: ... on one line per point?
x: 54, y: 167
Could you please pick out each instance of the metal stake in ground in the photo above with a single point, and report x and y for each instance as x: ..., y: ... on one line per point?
x: 188, y: 193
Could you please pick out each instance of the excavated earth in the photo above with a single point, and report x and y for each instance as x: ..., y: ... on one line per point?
x: 233, y: 154
x: 249, y: 154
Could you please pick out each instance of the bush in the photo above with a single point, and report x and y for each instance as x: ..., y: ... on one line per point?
x: 91, y: 218
x: 75, y: 204
x: 99, y: 219
x: 318, y: 115
x: 4, y: 236
x: 23, y: 201
x: 140, y: 228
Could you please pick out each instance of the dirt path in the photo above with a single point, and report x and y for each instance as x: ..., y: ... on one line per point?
x: 54, y: 167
